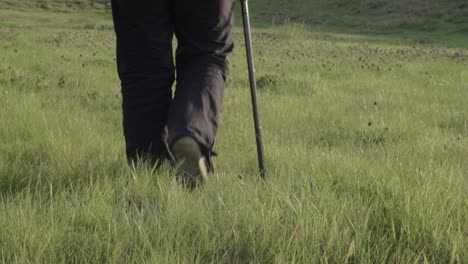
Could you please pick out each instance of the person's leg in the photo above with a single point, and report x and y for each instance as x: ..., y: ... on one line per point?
x: 203, y: 30
x: 144, y: 31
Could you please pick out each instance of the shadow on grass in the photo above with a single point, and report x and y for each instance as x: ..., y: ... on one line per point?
x: 433, y: 33
x: 371, y: 25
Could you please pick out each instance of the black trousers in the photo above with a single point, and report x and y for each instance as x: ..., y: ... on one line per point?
x: 153, y: 117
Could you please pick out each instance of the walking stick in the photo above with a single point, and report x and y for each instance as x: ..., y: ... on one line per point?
x: 253, y: 86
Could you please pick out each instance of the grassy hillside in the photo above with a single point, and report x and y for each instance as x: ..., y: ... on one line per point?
x: 381, y: 14
x: 58, y: 5
x: 366, y: 139
x: 422, y: 14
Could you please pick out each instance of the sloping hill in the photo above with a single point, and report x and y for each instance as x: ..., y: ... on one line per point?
x: 57, y: 5
x: 366, y: 14
x: 422, y: 14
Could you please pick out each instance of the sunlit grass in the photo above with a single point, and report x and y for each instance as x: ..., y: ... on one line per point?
x: 366, y: 145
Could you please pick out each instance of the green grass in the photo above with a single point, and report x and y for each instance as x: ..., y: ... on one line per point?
x: 425, y: 14
x: 58, y: 5
x: 366, y: 138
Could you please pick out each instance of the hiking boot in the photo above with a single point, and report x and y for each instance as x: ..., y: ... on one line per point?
x: 192, y: 164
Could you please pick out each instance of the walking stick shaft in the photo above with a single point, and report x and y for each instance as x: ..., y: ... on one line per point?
x: 253, y: 86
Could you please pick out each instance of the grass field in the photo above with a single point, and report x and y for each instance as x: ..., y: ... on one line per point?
x: 366, y: 137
